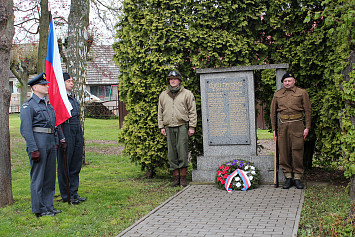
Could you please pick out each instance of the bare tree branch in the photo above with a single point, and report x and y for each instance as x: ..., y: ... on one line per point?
x: 26, y: 21
x: 106, y: 6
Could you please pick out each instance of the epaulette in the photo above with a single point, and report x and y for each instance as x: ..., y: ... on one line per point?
x: 279, y: 90
x: 29, y: 99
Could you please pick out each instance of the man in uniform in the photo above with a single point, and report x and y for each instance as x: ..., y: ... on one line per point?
x: 74, y: 152
x: 291, y: 102
x: 177, y: 120
x: 38, y: 120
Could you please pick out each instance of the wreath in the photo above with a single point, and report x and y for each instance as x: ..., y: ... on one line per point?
x: 237, y: 175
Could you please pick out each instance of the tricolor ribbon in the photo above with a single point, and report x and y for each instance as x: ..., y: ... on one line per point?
x: 245, y: 179
x: 229, y: 180
x: 242, y: 175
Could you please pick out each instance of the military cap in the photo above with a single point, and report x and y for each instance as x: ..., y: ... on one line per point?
x: 174, y: 74
x: 66, y: 76
x: 286, y: 75
x: 39, y: 79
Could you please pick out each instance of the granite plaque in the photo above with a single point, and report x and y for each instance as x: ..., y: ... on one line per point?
x: 227, y: 111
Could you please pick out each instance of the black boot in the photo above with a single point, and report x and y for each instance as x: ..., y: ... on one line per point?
x: 176, y: 174
x: 288, y: 184
x: 183, y: 174
x: 299, y: 184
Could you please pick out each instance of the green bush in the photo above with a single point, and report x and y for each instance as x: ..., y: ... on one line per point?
x: 314, y: 37
x: 158, y: 36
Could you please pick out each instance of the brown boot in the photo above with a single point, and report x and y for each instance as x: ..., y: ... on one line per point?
x: 176, y: 181
x: 183, y: 177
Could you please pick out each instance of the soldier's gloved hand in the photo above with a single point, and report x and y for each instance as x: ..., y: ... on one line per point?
x: 63, y: 146
x: 35, y: 156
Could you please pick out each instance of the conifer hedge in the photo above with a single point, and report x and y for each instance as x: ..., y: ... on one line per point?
x: 156, y: 36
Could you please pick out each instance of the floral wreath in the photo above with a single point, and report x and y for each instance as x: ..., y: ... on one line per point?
x: 237, y: 175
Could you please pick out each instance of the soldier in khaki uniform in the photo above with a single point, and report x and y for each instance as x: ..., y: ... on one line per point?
x: 291, y: 102
x: 177, y: 119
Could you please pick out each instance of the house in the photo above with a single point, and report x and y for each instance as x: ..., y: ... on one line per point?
x: 102, y: 73
x: 101, y: 79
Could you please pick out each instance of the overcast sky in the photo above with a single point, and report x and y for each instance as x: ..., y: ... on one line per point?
x: 104, y: 32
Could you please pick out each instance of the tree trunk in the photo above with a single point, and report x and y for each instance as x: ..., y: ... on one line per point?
x: 43, y: 37
x: 22, y: 74
x: 309, y: 147
x: 6, y: 35
x: 78, y: 23
x: 24, y: 89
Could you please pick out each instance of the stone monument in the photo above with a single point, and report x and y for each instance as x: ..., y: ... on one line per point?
x: 228, y: 120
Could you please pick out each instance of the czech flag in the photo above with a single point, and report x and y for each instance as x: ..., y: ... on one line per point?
x: 57, y: 93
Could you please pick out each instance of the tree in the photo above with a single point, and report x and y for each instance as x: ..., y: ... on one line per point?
x: 158, y: 36
x: 23, y: 63
x: 317, y: 40
x: 6, y: 35
x: 44, y: 22
x: 339, y: 28
x: 78, y: 36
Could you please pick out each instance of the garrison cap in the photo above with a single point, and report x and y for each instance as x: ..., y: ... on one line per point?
x: 174, y: 74
x: 39, y: 79
x: 66, y: 76
x: 286, y: 75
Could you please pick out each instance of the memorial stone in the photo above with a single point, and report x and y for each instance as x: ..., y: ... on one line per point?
x: 228, y: 120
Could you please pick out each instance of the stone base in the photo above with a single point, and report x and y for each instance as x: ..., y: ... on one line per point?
x: 207, y: 167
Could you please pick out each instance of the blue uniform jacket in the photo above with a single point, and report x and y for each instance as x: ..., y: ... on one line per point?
x: 35, y: 112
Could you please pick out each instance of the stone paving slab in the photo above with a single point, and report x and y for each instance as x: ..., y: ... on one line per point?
x: 205, y: 210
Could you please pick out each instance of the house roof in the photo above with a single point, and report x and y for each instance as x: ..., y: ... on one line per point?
x: 101, y: 69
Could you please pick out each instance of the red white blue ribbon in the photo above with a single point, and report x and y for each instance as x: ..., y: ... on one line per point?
x: 229, y: 180
x: 245, y: 179
x: 243, y: 176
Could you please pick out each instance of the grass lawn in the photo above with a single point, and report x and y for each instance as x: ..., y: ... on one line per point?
x: 118, y: 194
x: 264, y: 134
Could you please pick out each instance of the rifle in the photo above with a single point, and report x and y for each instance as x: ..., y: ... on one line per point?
x: 64, y: 154
x: 276, y: 163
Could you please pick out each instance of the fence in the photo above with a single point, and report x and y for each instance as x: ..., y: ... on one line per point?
x: 105, y: 110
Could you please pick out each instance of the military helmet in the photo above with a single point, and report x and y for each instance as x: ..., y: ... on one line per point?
x: 174, y: 74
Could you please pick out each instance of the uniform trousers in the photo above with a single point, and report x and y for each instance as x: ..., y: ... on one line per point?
x: 43, y: 173
x: 291, y: 147
x: 75, y: 141
x: 178, y: 145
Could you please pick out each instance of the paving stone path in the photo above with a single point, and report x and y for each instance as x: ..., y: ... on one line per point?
x: 204, y: 210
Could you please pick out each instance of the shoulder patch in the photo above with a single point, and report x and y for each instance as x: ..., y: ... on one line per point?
x: 25, y: 105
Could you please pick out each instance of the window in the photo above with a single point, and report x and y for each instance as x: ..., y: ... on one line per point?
x: 104, y: 92
x: 11, y: 86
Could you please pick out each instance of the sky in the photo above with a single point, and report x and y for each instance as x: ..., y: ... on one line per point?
x: 25, y: 10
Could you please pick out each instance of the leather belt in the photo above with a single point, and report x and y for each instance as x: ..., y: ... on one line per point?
x: 291, y: 116
x: 42, y: 130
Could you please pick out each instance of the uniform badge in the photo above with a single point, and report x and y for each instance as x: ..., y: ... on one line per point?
x: 25, y: 105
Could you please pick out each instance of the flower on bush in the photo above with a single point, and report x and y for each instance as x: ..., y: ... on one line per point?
x: 237, y: 175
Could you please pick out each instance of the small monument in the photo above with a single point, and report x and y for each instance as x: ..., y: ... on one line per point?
x: 228, y: 120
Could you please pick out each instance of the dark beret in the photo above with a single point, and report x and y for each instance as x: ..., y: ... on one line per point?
x: 286, y: 75
x: 39, y: 79
x: 66, y: 76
